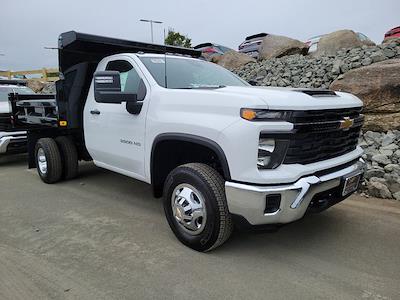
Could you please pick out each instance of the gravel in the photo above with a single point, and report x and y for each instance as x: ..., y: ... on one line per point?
x: 314, y: 72
x: 382, y: 155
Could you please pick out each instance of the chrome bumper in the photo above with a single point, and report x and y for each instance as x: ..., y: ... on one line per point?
x: 249, y: 201
x: 7, y: 140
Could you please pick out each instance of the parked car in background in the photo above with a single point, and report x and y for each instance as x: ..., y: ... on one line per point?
x: 366, y: 40
x: 252, y: 44
x: 312, y: 42
x: 11, y: 141
x: 210, y: 50
x: 392, y: 33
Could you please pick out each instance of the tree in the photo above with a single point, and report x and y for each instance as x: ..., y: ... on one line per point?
x: 174, y: 38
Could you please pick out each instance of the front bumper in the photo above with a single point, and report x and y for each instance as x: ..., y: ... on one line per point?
x: 249, y: 201
x: 13, y: 142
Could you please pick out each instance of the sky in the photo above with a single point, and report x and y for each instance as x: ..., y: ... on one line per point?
x: 27, y: 26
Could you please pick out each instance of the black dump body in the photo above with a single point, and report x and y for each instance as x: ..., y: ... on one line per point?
x: 78, y: 56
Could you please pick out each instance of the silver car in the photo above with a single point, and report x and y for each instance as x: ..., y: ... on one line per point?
x: 252, y: 44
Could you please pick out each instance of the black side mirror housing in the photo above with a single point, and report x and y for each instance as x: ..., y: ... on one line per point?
x: 135, y: 108
x: 107, y: 88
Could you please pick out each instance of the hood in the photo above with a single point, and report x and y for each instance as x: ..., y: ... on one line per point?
x: 295, y: 99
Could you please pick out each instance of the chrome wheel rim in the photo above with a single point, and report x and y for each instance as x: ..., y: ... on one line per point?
x: 42, y: 162
x: 188, y: 209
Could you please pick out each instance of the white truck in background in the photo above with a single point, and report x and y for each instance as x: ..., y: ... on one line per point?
x: 11, y: 141
x: 219, y: 151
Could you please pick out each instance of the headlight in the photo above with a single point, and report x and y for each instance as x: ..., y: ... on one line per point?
x: 265, y: 149
x: 263, y: 114
x: 271, y: 152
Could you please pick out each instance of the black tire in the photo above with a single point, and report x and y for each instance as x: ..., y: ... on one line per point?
x: 49, y: 148
x: 209, y: 183
x: 69, y: 155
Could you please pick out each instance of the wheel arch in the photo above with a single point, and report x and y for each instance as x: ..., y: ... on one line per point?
x: 204, y: 143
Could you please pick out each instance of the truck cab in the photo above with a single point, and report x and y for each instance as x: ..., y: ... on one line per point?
x: 219, y: 151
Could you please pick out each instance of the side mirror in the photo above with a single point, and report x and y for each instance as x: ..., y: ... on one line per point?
x: 107, y: 88
x: 135, y: 108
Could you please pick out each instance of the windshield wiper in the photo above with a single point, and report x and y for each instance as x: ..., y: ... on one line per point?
x: 205, y: 87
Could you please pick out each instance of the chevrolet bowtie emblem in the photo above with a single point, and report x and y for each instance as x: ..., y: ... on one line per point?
x: 346, y: 123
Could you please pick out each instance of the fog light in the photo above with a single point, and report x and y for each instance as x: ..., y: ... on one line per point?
x: 272, y: 203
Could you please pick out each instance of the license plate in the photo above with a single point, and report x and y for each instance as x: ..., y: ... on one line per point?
x: 351, y: 184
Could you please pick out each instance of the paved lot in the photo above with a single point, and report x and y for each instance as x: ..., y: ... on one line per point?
x: 104, y: 236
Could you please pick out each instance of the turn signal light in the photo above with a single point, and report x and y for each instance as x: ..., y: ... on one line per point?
x: 248, y: 114
x: 252, y: 114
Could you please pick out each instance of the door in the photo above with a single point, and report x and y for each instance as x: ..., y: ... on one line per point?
x: 114, y: 137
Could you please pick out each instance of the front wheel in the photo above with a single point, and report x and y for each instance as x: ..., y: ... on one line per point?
x: 196, y: 208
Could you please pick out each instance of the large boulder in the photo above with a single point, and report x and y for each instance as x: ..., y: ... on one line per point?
x: 382, y: 122
x: 331, y: 43
x: 232, y: 60
x: 378, y: 85
x: 274, y: 46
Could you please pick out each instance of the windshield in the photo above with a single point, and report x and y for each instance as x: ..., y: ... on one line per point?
x: 190, y: 73
x: 5, y: 90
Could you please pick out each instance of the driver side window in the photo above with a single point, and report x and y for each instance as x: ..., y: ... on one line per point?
x: 129, y: 77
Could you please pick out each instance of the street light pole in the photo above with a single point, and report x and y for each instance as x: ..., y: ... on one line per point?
x: 151, y: 26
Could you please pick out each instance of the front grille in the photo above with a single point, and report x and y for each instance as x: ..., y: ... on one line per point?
x: 313, y: 116
x: 317, y: 135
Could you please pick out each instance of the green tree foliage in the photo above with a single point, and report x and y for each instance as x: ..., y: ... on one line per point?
x: 174, y: 38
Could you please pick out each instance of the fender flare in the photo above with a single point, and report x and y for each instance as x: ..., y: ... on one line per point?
x: 193, y: 139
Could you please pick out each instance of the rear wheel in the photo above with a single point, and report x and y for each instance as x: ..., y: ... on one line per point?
x: 69, y: 155
x: 48, y: 160
x: 196, y: 208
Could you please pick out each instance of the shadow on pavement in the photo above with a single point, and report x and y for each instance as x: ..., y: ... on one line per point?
x: 14, y: 160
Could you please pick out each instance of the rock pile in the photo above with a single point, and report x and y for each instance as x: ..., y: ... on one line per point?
x: 314, y: 72
x: 382, y: 155
x: 41, y: 87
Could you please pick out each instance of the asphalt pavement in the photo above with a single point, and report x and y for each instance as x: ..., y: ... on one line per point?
x: 104, y: 236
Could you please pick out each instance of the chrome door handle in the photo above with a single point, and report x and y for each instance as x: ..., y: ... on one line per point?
x: 95, y: 112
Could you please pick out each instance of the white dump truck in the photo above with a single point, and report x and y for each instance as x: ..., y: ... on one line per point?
x: 219, y: 151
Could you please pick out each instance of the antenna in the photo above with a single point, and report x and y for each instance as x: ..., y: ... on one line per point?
x: 165, y: 63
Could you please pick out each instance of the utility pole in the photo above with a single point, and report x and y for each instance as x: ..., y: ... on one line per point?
x: 151, y: 26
